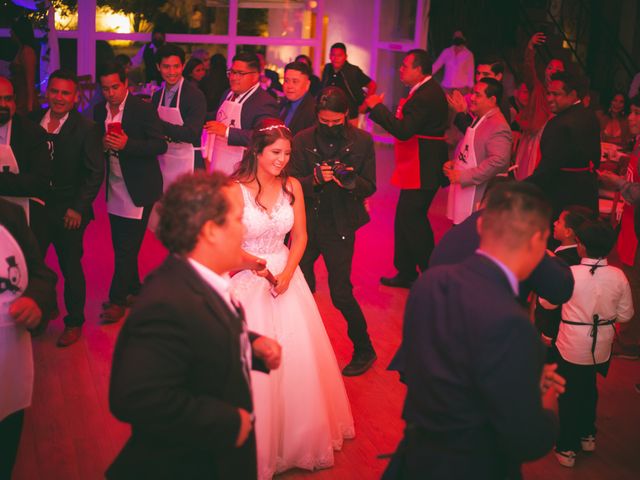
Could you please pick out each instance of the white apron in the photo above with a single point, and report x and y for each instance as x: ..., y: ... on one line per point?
x: 8, y: 161
x: 179, y: 157
x: 462, y: 202
x: 224, y: 157
x: 16, y: 357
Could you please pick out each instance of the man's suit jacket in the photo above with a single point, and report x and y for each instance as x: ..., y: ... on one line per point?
x: 425, y: 113
x: 78, y: 164
x: 492, y: 144
x: 29, y: 144
x: 42, y: 281
x: 551, y: 279
x: 304, y: 116
x: 139, y: 158
x: 472, y: 362
x: 571, y: 139
x: 257, y: 106
x: 193, y: 108
x: 177, y: 378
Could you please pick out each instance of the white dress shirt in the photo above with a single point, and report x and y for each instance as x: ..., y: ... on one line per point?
x: 458, y: 68
x: 607, y: 294
x: 47, y: 118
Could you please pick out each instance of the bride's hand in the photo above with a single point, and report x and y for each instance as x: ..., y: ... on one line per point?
x: 282, y: 283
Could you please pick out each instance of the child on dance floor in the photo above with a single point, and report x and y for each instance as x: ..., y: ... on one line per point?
x: 601, y: 297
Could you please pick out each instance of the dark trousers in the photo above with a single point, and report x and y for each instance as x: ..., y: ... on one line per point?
x: 577, y: 406
x: 413, y: 242
x: 10, y: 430
x: 48, y: 226
x: 337, y: 252
x: 126, y: 235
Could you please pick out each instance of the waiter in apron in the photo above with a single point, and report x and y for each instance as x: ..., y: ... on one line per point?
x: 181, y: 107
x: 420, y: 151
x: 27, y: 289
x: 242, y: 108
x: 25, y: 165
x: 483, y: 153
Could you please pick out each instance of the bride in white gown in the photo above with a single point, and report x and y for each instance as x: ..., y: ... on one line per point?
x: 302, y: 410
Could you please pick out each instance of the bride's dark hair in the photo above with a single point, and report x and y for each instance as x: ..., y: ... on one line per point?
x: 266, y: 133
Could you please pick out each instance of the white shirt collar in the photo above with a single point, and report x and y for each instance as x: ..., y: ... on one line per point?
x: 47, y: 117
x: 418, y: 85
x: 564, y: 247
x: 220, y: 283
x: 120, y: 108
x: 590, y: 262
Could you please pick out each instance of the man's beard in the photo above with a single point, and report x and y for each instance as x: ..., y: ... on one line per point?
x: 5, y: 115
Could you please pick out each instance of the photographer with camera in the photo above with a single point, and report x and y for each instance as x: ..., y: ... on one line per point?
x: 335, y: 163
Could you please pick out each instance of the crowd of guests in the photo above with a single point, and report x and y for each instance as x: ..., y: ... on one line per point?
x: 247, y: 181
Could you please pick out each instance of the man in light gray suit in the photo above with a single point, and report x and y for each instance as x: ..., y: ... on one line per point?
x: 483, y: 153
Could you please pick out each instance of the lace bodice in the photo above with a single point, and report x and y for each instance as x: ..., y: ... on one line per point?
x: 265, y: 231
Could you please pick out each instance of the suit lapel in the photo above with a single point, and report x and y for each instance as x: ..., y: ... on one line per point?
x: 69, y: 126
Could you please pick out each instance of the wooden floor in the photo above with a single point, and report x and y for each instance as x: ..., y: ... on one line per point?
x: 69, y: 433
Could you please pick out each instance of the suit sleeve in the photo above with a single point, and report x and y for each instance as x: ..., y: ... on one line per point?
x: 153, y: 142
x: 193, y: 114
x: 33, y: 181
x: 462, y: 121
x: 366, y: 178
x: 497, y: 159
x: 414, y: 116
x: 151, y: 361
x: 507, y: 373
x: 94, y: 166
x: 554, y: 156
x: 551, y: 280
x: 266, y: 109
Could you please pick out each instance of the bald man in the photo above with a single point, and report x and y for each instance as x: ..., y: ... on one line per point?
x: 25, y: 167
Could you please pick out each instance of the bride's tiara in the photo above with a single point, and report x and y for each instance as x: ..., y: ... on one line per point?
x: 273, y: 127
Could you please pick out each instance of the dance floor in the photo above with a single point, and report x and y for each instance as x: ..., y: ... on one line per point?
x: 69, y: 433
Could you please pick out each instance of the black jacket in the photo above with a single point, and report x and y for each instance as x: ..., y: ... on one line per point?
x: 356, y: 150
x: 354, y: 80
x: 304, y: 116
x: 29, y: 144
x: 78, y: 164
x: 139, y: 159
x: 425, y: 113
x: 177, y: 378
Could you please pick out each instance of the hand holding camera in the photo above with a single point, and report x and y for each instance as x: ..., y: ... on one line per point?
x: 337, y: 171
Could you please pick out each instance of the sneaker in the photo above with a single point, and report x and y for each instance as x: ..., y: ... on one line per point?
x: 588, y: 443
x: 566, y: 458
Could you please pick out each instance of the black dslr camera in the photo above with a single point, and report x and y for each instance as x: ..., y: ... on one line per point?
x: 345, y: 175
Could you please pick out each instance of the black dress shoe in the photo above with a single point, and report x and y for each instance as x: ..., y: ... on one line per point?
x: 360, y: 363
x: 396, y: 282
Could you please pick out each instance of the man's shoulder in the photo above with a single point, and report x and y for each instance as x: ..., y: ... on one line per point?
x: 193, y: 93
x: 27, y: 129
x: 359, y: 135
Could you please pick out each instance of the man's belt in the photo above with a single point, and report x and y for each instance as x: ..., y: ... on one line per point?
x: 578, y: 169
x: 597, y: 323
x: 428, y: 137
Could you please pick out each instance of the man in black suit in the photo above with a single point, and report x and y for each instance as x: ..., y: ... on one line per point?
x: 77, y: 173
x: 147, y: 56
x: 132, y: 139
x: 336, y: 165
x: 243, y: 106
x: 298, y: 110
x: 27, y: 294
x: 182, y: 113
x: 25, y: 165
x: 569, y: 147
x: 421, y: 151
x: 181, y: 364
x: 472, y: 360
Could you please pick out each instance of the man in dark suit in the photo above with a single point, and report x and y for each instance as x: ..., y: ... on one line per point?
x: 421, y: 151
x: 23, y: 144
x: 298, y: 110
x: 569, y: 147
x: 147, y: 56
x: 181, y: 364
x: 26, y: 305
x: 132, y: 139
x: 182, y: 113
x: 242, y: 107
x: 471, y: 359
x: 77, y: 173
x: 334, y: 201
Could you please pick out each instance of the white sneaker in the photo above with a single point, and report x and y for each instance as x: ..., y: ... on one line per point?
x: 588, y: 443
x: 566, y: 458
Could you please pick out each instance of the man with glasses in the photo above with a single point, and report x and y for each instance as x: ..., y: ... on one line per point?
x: 243, y: 106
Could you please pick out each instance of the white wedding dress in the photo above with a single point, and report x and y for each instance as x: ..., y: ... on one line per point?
x: 302, y: 410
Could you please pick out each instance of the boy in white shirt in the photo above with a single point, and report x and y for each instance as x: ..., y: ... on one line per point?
x: 601, y: 297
